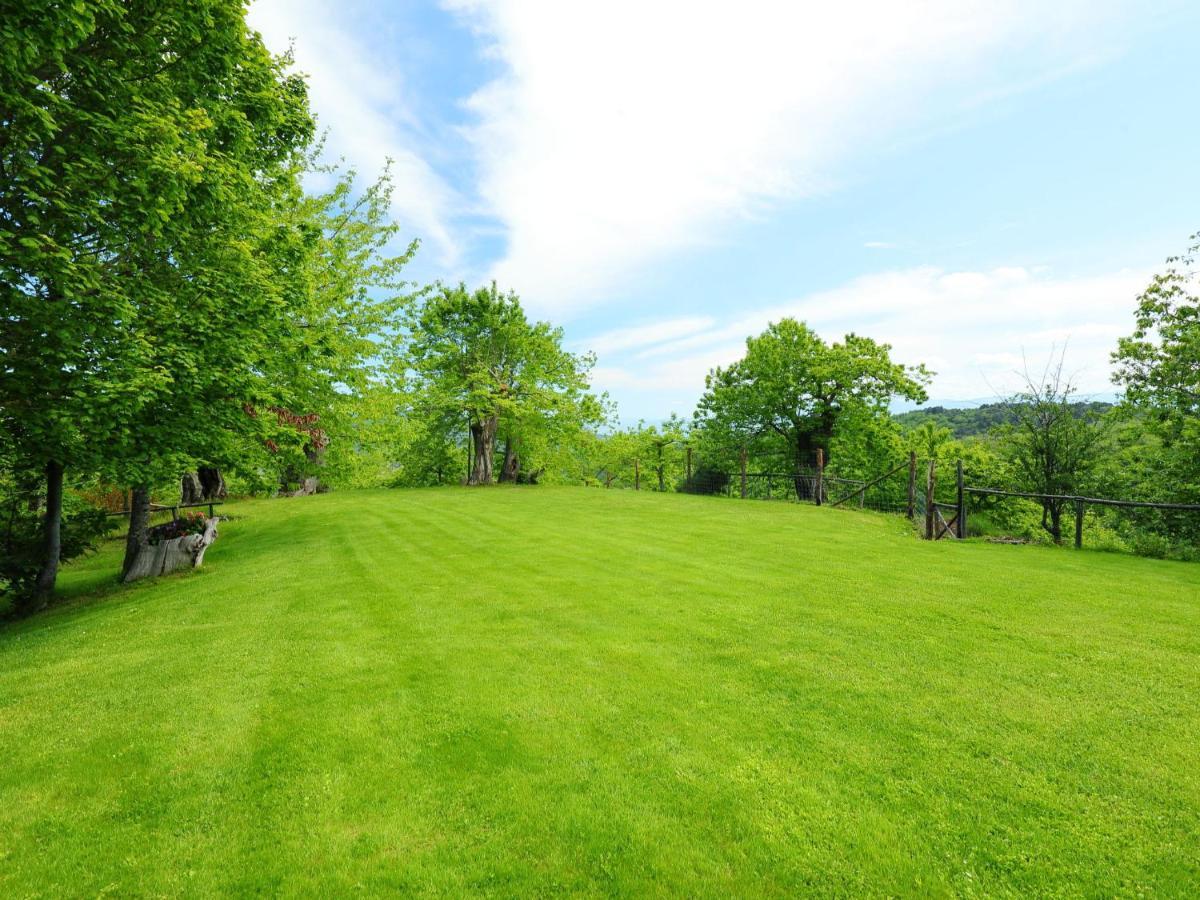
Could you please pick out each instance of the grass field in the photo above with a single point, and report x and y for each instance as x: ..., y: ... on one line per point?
x: 538, y: 691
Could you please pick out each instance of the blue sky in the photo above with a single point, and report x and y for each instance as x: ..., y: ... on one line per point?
x: 976, y: 183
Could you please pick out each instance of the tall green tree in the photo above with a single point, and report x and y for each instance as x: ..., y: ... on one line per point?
x: 143, y: 146
x: 794, y: 385
x: 1158, y: 366
x: 475, y: 358
x: 333, y: 260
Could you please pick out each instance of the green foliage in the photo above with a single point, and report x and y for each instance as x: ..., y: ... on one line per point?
x: 21, y: 540
x: 343, y: 295
x: 142, y: 145
x: 1159, y: 367
x: 165, y: 279
x: 662, y: 452
x: 793, y: 385
x: 474, y: 358
x: 147, y: 150
x: 1050, y: 449
x: 865, y: 444
x: 377, y: 441
x: 979, y: 421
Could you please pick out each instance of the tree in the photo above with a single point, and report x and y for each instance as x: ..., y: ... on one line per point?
x: 1159, y: 365
x: 1053, y: 450
x: 330, y: 258
x: 1159, y: 368
x: 611, y: 460
x: 475, y: 358
x: 794, y: 385
x: 134, y: 138
x: 662, y: 448
x: 928, y: 438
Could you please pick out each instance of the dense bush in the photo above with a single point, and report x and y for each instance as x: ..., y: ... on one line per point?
x: 706, y: 480
x: 21, y: 542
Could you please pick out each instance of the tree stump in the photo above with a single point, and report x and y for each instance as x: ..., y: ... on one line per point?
x: 168, y: 556
x: 203, y: 485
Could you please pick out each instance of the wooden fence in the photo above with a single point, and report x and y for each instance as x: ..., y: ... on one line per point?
x: 1080, y: 504
x: 939, y: 520
x: 174, y: 508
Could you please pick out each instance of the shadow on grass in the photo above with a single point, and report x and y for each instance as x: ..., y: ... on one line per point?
x: 94, y: 578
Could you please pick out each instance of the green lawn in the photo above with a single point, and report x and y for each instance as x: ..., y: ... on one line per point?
x: 537, y: 691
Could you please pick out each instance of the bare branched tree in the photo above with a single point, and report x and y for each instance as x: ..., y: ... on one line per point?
x: 1054, y: 441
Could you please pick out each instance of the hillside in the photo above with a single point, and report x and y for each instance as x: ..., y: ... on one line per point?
x: 981, y: 419
x: 534, y: 691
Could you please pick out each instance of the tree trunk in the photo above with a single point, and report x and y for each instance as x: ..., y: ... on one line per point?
x: 1054, y: 512
x: 191, y: 490
x: 483, y: 440
x: 807, y: 446
x: 662, y: 484
x: 203, y: 485
x: 139, y: 524
x: 212, y: 483
x: 51, y: 535
x: 186, y: 552
x: 803, y: 483
x: 512, y: 463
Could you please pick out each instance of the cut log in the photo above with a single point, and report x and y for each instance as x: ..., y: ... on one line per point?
x: 187, y: 552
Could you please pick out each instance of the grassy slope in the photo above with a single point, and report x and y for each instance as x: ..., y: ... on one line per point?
x: 537, y: 690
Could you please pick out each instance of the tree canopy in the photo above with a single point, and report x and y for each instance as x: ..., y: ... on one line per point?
x: 164, y: 276
x: 794, y: 385
x: 475, y: 358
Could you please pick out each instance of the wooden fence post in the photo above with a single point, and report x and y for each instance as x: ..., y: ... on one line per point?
x: 637, y: 475
x: 1078, y: 524
x: 820, y: 476
x: 743, y: 471
x: 930, y: 508
x: 912, y: 485
x: 961, y: 518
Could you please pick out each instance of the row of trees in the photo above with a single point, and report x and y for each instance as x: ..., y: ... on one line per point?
x: 477, y: 378
x: 165, y: 278
x: 175, y: 301
x: 793, y: 394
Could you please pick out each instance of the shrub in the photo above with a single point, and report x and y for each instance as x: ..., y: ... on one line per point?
x: 706, y: 480
x: 21, y: 542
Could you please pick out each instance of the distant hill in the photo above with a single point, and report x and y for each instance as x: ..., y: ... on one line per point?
x: 980, y: 419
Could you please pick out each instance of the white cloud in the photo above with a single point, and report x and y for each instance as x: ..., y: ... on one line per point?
x: 361, y: 100
x: 622, y: 131
x: 652, y: 333
x: 975, y: 329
